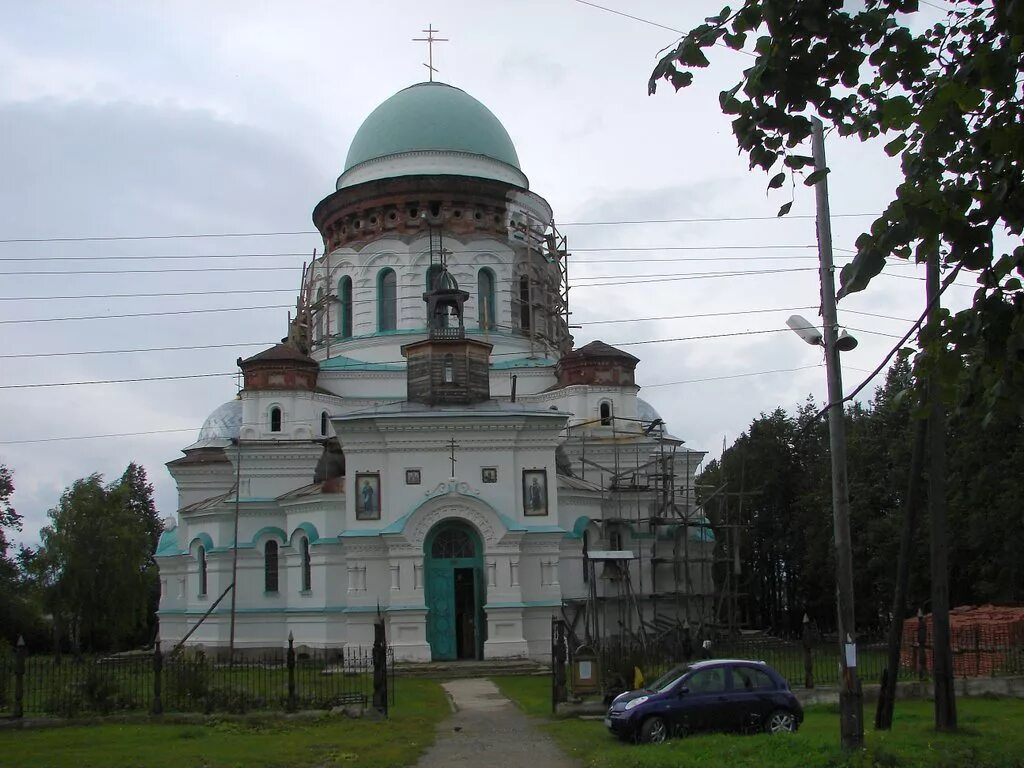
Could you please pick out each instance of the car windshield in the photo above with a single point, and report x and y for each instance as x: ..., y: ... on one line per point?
x: 667, y: 680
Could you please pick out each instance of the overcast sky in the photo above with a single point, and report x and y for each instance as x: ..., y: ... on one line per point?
x: 149, y: 118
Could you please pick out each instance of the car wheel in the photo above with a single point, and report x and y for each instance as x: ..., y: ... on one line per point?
x: 653, y: 731
x: 781, y: 721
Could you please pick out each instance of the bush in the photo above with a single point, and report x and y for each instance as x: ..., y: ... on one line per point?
x: 228, y: 698
x: 188, y: 680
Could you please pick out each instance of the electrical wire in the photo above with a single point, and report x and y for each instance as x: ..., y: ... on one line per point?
x: 196, y: 429
x: 702, y: 337
x: 179, y: 236
x: 268, y: 343
x: 448, y: 251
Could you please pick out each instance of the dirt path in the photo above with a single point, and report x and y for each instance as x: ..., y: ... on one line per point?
x: 489, y: 730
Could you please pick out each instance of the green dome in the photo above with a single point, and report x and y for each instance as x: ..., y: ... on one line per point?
x: 431, y: 116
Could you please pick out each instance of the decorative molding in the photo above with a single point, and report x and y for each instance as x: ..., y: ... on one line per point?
x: 430, y: 519
x: 451, y: 486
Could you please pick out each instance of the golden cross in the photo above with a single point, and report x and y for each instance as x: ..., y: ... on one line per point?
x: 430, y: 40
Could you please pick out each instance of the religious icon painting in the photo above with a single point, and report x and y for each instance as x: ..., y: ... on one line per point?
x: 489, y: 474
x: 535, y: 492
x: 367, y: 496
x: 412, y: 477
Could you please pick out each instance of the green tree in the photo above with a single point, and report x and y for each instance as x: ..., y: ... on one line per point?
x: 97, y: 561
x: 948, y: 102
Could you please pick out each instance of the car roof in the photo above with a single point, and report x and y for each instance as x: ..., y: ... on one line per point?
x: 716, y: 662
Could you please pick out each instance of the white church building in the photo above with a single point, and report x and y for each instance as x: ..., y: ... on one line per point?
x: 426, y: 446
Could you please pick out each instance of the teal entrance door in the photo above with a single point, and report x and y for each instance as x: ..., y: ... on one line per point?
x: 454, y: 592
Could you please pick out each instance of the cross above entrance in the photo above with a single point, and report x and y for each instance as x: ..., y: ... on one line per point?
x: 430, y: 40
x: 452, y: 445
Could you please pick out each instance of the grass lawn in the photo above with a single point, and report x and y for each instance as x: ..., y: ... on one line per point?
x: 252, y: 742
x: 992, y: 736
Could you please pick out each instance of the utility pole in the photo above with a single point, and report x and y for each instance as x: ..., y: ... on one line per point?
x: 851, y: 702
x: 942, y: 661
x: 234, y: 549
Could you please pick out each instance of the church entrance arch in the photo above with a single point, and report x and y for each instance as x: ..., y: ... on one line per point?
x: 453, y: 563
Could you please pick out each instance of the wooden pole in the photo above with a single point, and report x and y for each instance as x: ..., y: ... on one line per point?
x: 942, y: 659
x: 887, y: 694
x: 851, y: 703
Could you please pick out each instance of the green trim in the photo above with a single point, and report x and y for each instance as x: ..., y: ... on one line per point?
x: 578, y: 527
x: 309, y: 529
x: 342, y: 363
x: 360, y: 533
x: 204, y: 539
x: 524, y: 362
x: 272, y: 530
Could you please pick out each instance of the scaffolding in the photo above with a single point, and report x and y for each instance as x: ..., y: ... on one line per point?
x: 680, y: 574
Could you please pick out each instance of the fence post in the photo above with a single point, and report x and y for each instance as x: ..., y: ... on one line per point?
x: 290, y: 659
x: 807, y: 639
x: 19, y: 678
x: 922, y: 639
x: 158, y: 668
x: 558, y: 655
x: 380, y: 668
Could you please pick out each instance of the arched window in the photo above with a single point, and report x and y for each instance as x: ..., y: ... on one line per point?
x: 320, y: 315
x: 270, y: 567
x: 323, y: 423
x: 432, y: 272
x: 449, y: 369
x: 485, y: 297
x: 201, y: 556
x: 345, y: 297
x: 524, y: 303
x: 307, y: 571
x: 387, y: 300
x: 606, y: 414
x: 453, y: 542
x: 275, y: 419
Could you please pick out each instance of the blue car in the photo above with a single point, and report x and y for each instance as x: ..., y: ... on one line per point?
x: 716, y: 695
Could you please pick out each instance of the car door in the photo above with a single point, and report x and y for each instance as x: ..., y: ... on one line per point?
x: 751, y: 699
x: 700, y: 708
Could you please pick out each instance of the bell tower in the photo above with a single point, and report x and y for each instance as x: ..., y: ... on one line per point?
x: 447, y: 368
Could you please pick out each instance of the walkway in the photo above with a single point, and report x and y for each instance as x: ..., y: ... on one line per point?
x: 489, y: 730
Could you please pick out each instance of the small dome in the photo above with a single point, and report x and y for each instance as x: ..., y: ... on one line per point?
x: 221, y: 427
x: 645, y: 411
x: 431, y: 118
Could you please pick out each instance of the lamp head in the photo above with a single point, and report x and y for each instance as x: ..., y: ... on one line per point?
x: 805, y: 329
x: 845, y: 342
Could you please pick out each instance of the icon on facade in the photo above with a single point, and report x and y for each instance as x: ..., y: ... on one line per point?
x: 368, y: 496
x: 535, y: 492
x: 489, y: 474
x: 412, y: 477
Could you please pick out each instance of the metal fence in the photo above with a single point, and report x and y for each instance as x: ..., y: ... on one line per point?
x: 194, y: 682
x: 623, y: 662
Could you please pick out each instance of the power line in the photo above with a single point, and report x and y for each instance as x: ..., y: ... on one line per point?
x: 703, y: 314
x: 625, y: 280
x: 473, y: 251
x: 191, y: 236
x: 76, y: 353
x: 116, y: 381
x: 702, y: 337
x: 655, y: 24
x: 195, y: 429
x: 260, y: 343
x: 143, y: 314
x: 733, y: 376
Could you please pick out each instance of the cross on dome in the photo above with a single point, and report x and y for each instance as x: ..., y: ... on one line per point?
x: 430, y: 40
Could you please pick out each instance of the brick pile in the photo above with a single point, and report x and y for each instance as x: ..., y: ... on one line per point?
x: 986, y: 640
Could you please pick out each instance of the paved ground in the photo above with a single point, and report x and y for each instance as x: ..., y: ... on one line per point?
x: 489, y: 730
